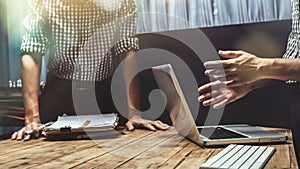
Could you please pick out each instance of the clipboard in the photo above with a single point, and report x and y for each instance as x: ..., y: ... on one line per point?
x: 81, y: 126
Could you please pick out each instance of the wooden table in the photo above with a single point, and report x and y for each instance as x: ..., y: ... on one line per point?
x: 138, y: 149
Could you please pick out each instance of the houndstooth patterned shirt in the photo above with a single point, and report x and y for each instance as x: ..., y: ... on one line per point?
x: 83, y: 37
x: 293, y: 46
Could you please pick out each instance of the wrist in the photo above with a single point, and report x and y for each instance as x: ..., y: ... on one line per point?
x: 32, y: 118
x: 264, y: 68
x: 133, y: 114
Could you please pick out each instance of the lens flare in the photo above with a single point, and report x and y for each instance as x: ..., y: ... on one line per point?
x: 111, y: 5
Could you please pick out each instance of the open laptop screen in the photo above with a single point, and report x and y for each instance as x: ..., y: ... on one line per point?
x: 180, y: 113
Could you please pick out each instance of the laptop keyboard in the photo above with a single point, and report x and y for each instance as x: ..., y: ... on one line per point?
x: 215, y: 133
x: 240, y: 156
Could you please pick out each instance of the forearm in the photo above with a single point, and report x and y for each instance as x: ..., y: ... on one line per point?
x: 132, y: 87
x: 133, y: 96
x: 280, y: 69
x: 31, y: 65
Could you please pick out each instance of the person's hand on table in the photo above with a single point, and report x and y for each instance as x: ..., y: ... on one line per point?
x: 241, y: 68
x: 21, y: 134
x: 219, y: 94
x: 138, y: 122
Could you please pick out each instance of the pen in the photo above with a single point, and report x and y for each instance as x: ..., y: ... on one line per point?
x: 40, y: 128
x: 85, y: 123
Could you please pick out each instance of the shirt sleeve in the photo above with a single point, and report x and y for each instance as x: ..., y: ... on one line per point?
x: 128, y: 25
x: 35, y: 39
x: 126, y: 44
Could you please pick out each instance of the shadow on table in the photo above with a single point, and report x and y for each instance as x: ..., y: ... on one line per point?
x: 99, y: 135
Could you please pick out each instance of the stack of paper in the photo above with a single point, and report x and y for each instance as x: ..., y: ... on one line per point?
x: 82, y: 123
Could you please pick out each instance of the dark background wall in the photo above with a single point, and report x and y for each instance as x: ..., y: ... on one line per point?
x: 4, y: 61
x: 268, y: 106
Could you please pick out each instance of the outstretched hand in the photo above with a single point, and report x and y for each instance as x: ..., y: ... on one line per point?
x: 139, y: 122
x: 241, y: 68
x: 219, y: 94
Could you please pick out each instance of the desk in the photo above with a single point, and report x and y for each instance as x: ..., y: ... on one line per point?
x: 138, y: 149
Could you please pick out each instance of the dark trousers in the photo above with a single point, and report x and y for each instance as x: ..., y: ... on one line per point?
x: 295, y: 123
x: 74, y: 98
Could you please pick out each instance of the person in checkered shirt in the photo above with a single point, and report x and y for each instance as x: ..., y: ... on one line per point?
x: 86, y: 40
x: 244, y: 72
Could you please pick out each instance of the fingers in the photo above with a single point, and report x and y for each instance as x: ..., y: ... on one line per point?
x: 221, y: 104
x: 221, y: 72
x: 231, y: 54
x: 208, y: 95
x: 14, y: 136
x: 205, y: 87
x: 212, y: 97
x: 215, y: 100
x: 21, y: 134
x: 147, y: 124
x: 27, y: 137
x: 129, y: 126
x: 18, y: 135
x: 224, y: 64
x: 216, y: 71
x: 217, y: 64
x: 212, y: 85
x: 216, y: 96
x: 160, y: 125
x: 34, y: 127
x: 212, y: 72
x: 204, y: 97
x: 216, y: 75
x: 230, y: 78
x: 228, y: 74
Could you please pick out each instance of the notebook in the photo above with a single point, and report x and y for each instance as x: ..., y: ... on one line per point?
x: 206, y: 135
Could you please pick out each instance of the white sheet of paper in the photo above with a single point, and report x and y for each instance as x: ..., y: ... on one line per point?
x: 74, y: 122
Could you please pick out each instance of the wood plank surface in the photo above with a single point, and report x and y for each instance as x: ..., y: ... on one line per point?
x: 137, y: 149
x: 284, y: 156
x: 128, y: 152
x: 105, y: 147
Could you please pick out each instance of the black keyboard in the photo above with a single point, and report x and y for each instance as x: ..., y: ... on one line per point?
x: 215, y: 133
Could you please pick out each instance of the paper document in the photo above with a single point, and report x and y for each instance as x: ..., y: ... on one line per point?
x: 101, y: 120
x: 84, y: 122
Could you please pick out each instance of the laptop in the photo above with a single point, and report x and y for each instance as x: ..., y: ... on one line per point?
x: 185, y: 125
